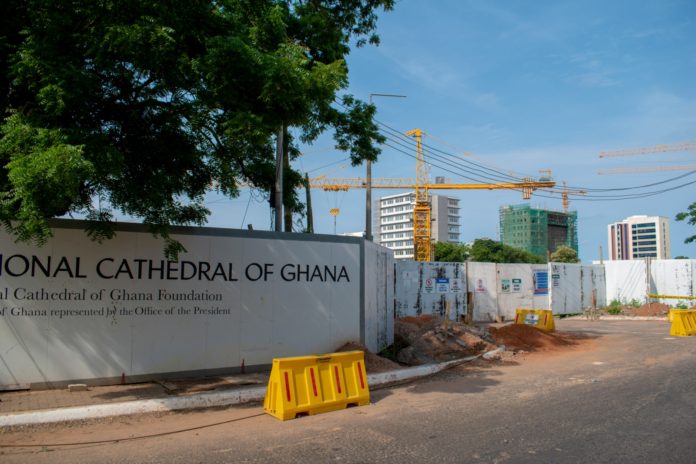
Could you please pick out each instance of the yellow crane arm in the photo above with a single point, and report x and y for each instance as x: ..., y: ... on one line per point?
x: 684, y: 146
x: 639, y: 169
x: 404, y: 183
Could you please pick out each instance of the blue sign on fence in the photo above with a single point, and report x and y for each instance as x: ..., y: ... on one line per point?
x: 541, y: 282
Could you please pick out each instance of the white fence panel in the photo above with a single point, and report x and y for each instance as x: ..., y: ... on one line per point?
x: 516, y: 290
x: 673, y: 277
x: 566, y: 288
x: 482, y: 284
x: 625, y: 280
x: 430, y: 288
x: 379, y: 297
x: 593, y: 280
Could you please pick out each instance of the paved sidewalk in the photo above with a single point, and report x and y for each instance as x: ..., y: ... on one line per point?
x: 47, y: 406
x: 37, y: 400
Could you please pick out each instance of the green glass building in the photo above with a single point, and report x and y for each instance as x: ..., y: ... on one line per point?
x: 538, y: 231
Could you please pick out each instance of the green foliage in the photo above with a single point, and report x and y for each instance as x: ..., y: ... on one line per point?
x: 490, y: 251
x: 451, y: 252
x: 682, y: 306
x: 140, y: 106
x: 690, y: 217
x: 681, y: 257
x: 614, y: 306
x: 564, y: 254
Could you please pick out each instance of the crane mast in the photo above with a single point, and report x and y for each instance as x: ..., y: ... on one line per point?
x: 421, y: 211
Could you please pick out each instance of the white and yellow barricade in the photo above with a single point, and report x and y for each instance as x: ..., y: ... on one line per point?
x: 316, y: 384
x: 542, y: 319
x: 683, y: 323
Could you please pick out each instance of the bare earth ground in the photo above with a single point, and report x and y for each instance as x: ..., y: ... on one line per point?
x: 526, y: 345
x: 596, y: 391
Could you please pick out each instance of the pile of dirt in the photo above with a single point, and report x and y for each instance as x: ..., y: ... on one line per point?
x: 421, y: 321
x: 428, y: 338
x: 649, y: 309
x: 373, y: 362
x: 528, y: 338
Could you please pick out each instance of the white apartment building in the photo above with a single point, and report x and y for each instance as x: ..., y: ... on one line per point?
x: 639, y: 237
x: 393, y: 219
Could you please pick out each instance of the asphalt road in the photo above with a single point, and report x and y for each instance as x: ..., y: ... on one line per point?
x: 627, y: 394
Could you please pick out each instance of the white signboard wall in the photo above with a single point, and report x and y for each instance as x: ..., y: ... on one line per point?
x: 75, y: 309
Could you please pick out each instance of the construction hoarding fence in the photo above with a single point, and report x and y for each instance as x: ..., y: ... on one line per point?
x: 316, y: 384
x: 430, y: 288
x: 542, y: 319
x: 576, y: 287
x: 76, y: 311
x: 633, y: 280
x: 497, y: 290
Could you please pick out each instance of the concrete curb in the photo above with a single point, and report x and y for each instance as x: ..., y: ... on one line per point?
x: 623, y: 318
x: 209, y: 399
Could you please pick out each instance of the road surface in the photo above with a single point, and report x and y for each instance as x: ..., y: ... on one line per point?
x: 627, y: 393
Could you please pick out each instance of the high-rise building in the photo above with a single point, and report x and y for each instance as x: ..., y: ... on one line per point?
x: 639, y: 237
x: 394, y: 220
x: 538, y: 231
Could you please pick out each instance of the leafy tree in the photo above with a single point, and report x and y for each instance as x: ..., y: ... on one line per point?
x: 681, y: 257
x: 564, y: 254
x: 491, y: 251
x: 690, y: 217
x: 451, y: 252
x: 140, y: 106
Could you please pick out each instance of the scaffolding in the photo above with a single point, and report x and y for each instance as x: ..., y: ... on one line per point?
x: 538, y: 231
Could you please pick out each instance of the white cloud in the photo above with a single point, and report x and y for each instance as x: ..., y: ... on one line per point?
x: 591, y: 71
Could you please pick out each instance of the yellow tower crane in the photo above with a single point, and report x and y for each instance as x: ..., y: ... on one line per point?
x: 566, y: 192
x: 671, y: 147
x: 422, y: 186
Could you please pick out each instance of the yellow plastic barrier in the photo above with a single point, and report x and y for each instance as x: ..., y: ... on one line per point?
x: 683, y: 323
x: 316, y: 384
x: 670, y: 314
x: 542, y: 319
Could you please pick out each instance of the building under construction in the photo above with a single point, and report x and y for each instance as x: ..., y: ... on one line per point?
x: 538, y: 231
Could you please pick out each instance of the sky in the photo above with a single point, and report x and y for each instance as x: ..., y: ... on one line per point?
x: 520, y: 87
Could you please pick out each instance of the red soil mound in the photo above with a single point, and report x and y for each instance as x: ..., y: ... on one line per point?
x: 650, y: 309
x: 373, y: 362
x: 528, y: 338
x: 420, y: 321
